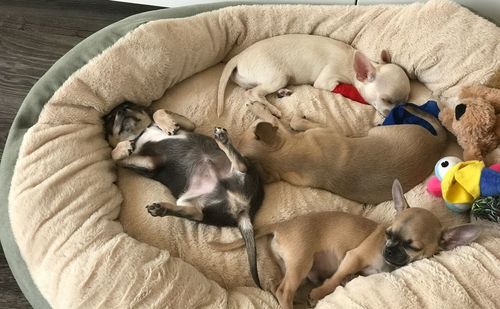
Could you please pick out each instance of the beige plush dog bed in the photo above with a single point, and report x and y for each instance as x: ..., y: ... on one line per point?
x: 81, y: 225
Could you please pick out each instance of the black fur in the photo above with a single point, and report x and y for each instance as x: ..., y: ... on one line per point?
x: 177, y: 160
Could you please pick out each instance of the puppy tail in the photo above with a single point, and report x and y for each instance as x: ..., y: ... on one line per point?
x: 248, y: 240
x: 246, y: 229
x: 224, y: 79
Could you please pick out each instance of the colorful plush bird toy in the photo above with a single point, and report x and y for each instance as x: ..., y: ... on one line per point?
x: 461, y: 183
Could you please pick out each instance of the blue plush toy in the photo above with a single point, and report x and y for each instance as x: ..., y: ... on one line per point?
x: 399, y: 115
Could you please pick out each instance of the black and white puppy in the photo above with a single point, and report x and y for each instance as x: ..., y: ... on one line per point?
x: 212, y: 182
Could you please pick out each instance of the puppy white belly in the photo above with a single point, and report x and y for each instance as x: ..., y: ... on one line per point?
x: 202, y: 182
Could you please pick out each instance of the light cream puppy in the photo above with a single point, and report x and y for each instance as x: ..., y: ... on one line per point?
x: 330, y: 247
x: 270, y: 65
x: 358, y: 168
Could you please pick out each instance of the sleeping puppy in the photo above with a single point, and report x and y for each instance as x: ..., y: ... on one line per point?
x: 270, y: 65
x: 330, y: 247
x: 358, y: 168
x: 212, y: 182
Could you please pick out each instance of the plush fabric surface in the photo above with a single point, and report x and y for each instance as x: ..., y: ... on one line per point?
x: 80, y: 223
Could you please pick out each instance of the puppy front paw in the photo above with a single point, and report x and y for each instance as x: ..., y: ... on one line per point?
x: 220, y: 134
x: 311, y: 303
x: 123, y: 150
x: 261, y: 111
x: 315, y: 295
x: 156, y: 210
x: 166, y: 122
x: 284, y: 93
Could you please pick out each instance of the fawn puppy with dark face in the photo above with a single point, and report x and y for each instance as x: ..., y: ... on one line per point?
x: 212, y: 182
x: 359, y: 168
x: 330, y: 247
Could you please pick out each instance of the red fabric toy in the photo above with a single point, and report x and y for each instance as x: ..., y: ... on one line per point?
x: 350, y: 92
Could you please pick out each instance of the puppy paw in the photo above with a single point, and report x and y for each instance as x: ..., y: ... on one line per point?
x: 156, y: 210
x: 220, y: 134
x: 274, y: 111
x: 284, y: 93
x: 315, y: 295
x: 260, y: 110
x: 311, y: 303
x: 123, y: 150
x: 299, y: 122
x: 166, y: 122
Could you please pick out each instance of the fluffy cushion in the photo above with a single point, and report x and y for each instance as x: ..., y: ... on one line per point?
x: 88, y: 242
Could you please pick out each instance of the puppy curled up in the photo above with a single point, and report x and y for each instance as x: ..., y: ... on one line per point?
x: 270, y: 65
x: 360, y: 168
x: 212, y: 182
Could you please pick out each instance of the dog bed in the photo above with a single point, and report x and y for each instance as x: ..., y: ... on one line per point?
x: 78, y: 234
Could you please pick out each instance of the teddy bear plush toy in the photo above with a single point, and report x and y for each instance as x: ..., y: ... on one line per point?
x: 475, y: 121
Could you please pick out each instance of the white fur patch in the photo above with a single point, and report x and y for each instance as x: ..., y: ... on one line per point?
x: 155, y: 134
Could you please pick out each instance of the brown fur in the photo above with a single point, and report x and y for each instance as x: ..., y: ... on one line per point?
x: 358, y: 168
x: 335, y: 246
x: 478, y: 129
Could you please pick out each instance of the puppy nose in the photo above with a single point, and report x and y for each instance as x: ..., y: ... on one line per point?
x: 389, y: 251
x: 460, y: 111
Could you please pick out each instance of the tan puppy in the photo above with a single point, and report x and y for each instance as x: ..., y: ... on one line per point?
x: 270, y: 65
x: 358, y: 168
x: 330, y: 247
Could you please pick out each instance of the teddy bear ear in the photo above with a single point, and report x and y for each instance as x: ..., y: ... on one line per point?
x: 492, y: 95
x: 467, y: 92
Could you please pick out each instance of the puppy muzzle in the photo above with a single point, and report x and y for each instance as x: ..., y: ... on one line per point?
x: 396, y: 255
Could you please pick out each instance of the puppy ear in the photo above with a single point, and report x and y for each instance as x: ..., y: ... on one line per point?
x: 385, y: 57
x: 266, y: 132
x: 398, y: 197
x: 459, y: 235
x: 365, y: 71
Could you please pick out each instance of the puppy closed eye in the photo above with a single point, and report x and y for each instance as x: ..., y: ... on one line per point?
x: 388, y: 233
x: 408, y: 244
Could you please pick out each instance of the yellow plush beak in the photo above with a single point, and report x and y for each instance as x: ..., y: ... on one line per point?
x: 461, y: 182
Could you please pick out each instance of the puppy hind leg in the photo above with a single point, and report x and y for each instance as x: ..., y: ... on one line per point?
x: 326, y: 80
x: 284, y: 92
x: 296, y: 271
x: 259, y: 92
x: 222, y: 139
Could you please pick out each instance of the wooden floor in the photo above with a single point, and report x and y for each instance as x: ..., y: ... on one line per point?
x: 33, y: 35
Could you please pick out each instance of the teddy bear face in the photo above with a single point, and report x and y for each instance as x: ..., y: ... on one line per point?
x: 474, y: 124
